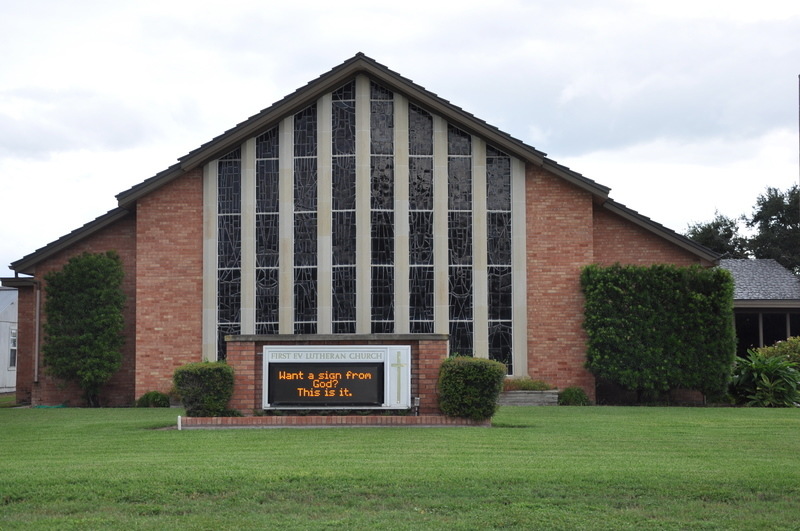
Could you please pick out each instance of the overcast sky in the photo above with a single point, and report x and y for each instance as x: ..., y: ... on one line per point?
x: 681, y: 108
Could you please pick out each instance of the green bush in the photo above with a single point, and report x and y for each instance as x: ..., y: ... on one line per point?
x: 205, y: 388
x: 469, y: 387
x: 764, y: 381
x: 153, y: 399
x: 573, y: 396
x: 788, y: 349
x: 525, y: 384
x: 659, y: 328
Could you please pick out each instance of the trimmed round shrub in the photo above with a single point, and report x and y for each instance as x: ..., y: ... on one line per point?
x: 205, y: 388
x: 469, y: 387
x: 153, y: 399
x: 573, y: 396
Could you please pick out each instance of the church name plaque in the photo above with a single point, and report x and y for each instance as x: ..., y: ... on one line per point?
x: 337, y: 377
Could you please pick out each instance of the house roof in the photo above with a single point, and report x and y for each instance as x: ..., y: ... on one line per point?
x: 289, y: 105
x: 762, y: 283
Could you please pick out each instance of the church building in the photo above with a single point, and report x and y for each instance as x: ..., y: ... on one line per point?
x: 360, y: 206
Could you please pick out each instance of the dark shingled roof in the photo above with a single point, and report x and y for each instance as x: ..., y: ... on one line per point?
x: 763, y: 279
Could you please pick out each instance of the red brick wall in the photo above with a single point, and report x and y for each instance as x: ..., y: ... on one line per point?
x: 559, y: 244
x: 169, y: 288
x: 246, y: 359
x: 119, y: 237
x: 618, y: 240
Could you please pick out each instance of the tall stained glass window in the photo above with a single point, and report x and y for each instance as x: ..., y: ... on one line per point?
x: 343, y: 210
x: 382, y: 208
x: 420, y: 220
x: 459, y: 236
x: 498, y: 228
x: 267, y: 236
x: 229, y: 247
x: 305, y: 221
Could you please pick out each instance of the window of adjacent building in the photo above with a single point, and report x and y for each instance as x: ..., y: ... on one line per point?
x: 12, y: 350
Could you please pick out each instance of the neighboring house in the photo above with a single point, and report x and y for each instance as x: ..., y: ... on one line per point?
x: 360, y: 207
x: 8, y: 340
x: 766, y: 302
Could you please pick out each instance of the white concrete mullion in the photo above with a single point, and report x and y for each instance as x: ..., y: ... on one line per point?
x: 401, y: 258
x: 324, y: 202
x: 441, y: 282
x: 210, y: 261
x: 480, y: 282
x: 286, y: 227
x: 248, y: 224
x: 363, y: 208
x: 519, y: 274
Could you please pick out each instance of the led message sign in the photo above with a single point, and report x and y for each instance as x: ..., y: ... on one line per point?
x: 333, y: 377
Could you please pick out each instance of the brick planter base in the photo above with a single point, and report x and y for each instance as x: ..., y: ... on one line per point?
x: 319, y: 421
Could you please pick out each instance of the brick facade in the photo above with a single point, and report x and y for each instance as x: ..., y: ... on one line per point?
x: 169, y: 281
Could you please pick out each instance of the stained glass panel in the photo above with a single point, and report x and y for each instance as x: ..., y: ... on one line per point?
x: 420, y: 238
x: 382, y: 293
x: 305, y: 239
x: 229, y: 241
x: 500, y: 300
x: 459, y: 183
x: 305, y: 185
x: 344, y: 294
x: 267, y: 301
x: 229, y: 292
x: 421, y: 293
x: 459, y: 234
x: 500, y: 344
x: 461, y: 338
x: 420, y: 184
x: 382, y: 179
x: 305, y: 294
x: 460, y: 279
x: 420, y: 133
x: 498, y: 229
x: 305, y: 132
x: 267, y: 240
x: 344, y: 183
x: 343, y: 238
x: 382, y: 237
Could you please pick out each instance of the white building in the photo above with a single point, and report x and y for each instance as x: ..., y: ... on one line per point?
x: 8, y: 340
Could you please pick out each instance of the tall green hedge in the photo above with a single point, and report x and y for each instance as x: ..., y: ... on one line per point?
x: 653, y: 329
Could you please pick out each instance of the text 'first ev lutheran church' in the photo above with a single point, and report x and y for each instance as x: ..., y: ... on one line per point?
x: 360, y: 209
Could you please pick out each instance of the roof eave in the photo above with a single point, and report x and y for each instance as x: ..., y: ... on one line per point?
x: 26, y: 264
x: 766, y: 303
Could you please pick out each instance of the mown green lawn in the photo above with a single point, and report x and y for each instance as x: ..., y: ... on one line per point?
x: 545, y: 468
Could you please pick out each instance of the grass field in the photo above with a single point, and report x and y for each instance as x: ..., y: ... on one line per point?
x: 545, y: 468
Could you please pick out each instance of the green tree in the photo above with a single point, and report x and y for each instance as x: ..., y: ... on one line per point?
x: 776, y: 218
x: 721, y: 235
x: 84, y: 321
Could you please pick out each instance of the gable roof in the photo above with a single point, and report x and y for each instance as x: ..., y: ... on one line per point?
x: 333, y: 79
x: 302, y: 97
x: 762, y: 283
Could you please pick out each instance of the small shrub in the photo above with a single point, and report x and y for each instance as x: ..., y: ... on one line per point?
x: 469, y: 387
x: 765, y: 381
x: 525, y: 384
x: 788, y: 349
x: 153, y: 399
x: 205, y: 388
x: 573, y: 396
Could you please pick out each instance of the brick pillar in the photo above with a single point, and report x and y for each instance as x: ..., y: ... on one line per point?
x: 428, y: 358
x: 246, y: 363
